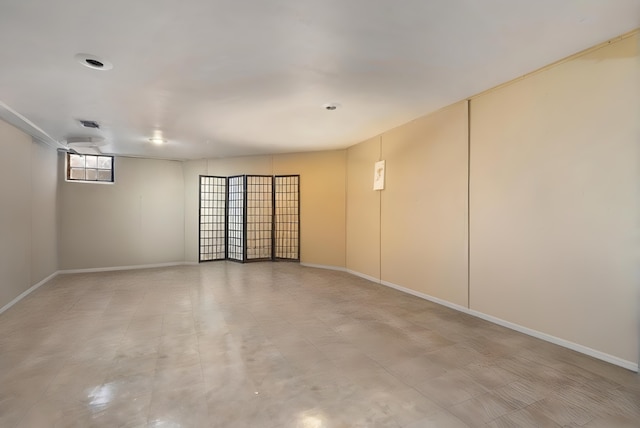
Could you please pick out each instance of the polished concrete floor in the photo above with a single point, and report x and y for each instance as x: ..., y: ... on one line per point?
x: 278, y: 345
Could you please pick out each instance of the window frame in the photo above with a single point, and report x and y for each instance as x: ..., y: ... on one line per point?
x: 67, y: 175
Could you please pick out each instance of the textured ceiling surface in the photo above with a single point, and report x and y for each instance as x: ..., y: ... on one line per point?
x: 222, y: 78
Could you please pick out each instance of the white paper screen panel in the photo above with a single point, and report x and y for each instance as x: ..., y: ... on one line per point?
x: 249, y: 218
x: 287, y: 217
x: 259, y: 217
x: 213, y: 196
x: 235, y: 218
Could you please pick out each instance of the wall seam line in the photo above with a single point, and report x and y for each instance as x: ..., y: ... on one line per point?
x: 469, y: 203
x: 346, y: 207
x: 380, y: 216
x: 559, y: 62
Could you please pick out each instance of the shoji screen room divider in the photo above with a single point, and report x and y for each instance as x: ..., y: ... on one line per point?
x: 249, y: 218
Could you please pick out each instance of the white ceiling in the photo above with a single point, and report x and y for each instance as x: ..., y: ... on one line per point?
x: 236, y: 77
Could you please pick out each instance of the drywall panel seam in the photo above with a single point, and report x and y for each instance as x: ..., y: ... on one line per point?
x: 28, y: 291
x: 469, y: 204
x: 426, y: 297
x: 380, y: 218
x: 184, y: 213
x: 559, y: 62
x: 528, y: 331
x: 346, y: 208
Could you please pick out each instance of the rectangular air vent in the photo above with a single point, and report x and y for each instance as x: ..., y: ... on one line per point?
x: 90, y: 124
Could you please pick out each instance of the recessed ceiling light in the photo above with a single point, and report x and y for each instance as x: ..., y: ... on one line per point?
x: 331, y: 106
x: 158, y: 137
x: 93, y: 62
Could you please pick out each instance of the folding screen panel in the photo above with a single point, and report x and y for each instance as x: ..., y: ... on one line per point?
x: 287, y: 217
x: 259, y: 217
x: 249, y: 218
x: 236, y: 218
x: 213, y: 200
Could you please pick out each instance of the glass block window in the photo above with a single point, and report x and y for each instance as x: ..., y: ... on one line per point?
x: 213, y: 201
x: 89, y: 168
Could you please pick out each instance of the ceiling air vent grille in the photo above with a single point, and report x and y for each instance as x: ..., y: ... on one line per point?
x: 90, y: 124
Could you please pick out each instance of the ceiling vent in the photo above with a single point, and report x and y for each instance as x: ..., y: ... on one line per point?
x: 90, y: 124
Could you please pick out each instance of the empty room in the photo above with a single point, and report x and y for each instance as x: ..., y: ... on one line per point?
x: 319, y: 214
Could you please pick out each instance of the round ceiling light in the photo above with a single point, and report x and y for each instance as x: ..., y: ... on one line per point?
x: 331, y: 106
x: 93, y: 62
x: 157, y: 137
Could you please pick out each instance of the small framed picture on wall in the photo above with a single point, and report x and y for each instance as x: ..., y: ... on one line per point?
x: 378, y: 176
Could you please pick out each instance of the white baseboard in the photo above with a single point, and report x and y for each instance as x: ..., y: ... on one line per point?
x: 543, y: 336
x: 312, y: 265
x: 115, y: 268
x: 424, y: 296
x: 27, y: 292
x: 364, y: 276
x: 558, y: 341
x: 629, y: 365
x: 106, y: 269
x: 341, y: 269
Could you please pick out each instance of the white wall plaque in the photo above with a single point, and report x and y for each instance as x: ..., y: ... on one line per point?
x: 378, y: 176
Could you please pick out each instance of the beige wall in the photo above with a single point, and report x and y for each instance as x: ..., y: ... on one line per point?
x: 322, y: 203
x: 414, y: 232
x: 27, y: 213
x: 259, y: 165
x: 15, y: 214
x: 322, y: 199
x: 553, y: 190
x: 191, y: 173
x: 424, y: 205
x: 553, y: 205
x: 554, y: 201
x: 138, y: 220
x: 44, y: 212
x: 363, y: 209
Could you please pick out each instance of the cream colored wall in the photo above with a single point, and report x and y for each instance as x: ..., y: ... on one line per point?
x: 363, y: 209
x: 322, y: 203
x: 27, y: 213
x: 414, y: 232
x: 322, y: 199
x: 258, y: 165
x: 221, y: 167
x: 191, y: 173
x: 138, y: 220
x: 554, y: 201
x: 44, y: 209
x: 15, y: 214
x: 424, y: 205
